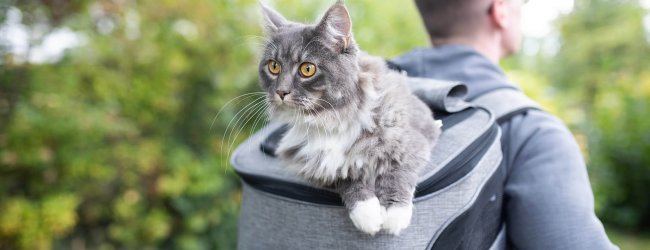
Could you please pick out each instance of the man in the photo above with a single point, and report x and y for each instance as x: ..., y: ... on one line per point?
x: 548, y: 199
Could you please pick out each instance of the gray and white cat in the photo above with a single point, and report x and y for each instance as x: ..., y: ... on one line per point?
x: 354, y: 125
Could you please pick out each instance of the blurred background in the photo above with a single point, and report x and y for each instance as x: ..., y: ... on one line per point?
x: 110, y: 138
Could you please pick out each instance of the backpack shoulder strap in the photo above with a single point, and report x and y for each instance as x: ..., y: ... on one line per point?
x: 505, y: 103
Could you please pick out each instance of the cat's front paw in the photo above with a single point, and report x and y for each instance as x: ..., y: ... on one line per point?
x: 367, y: 215
x: 398, y: 217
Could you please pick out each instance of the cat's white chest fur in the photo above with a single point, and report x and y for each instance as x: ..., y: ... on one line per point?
x: 322, y: 154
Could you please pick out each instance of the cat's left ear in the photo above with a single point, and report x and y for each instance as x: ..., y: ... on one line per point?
x: 272, y: 19
x: 337, y: 26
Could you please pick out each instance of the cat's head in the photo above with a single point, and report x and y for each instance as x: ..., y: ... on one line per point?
x: 308, y: 68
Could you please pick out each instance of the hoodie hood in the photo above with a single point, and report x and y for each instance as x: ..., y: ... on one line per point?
x: 455, y: 63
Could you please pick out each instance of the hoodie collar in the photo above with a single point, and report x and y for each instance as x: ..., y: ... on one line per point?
x: 455, y: 63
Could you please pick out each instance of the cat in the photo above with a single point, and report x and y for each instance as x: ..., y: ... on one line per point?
x: 354, y: 125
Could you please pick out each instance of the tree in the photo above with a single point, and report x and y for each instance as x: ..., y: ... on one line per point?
x: 601, y: 71
x: 113, y: 146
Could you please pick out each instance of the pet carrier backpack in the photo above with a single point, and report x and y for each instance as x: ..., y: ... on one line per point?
x: 458, y: 199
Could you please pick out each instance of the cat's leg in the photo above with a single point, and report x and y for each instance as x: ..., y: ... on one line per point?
x: 395, y: 190
x: 363, y: 206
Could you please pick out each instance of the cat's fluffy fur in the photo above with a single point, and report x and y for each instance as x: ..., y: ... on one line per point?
x: 354, y: 125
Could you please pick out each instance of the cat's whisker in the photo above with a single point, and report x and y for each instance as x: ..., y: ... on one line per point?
x: 228, y: 132
x: 304, y: 118
x: 259, y: 39
x: 267, y: 112
x: 332, y: 111
x: 324, y: 129
x: 270, y: 43
x: 231, y: 143
x: 297, y: 118
x: 270, y: 110
x: 301, y: 118
x: 252, y: 114
x: 263, y: 38
x: 231, y: 100
x: 313, y: 114
x: 320, y: 119
x: 318, y: 128
x: 238, y: 117
x: 259, y: 42
x: 307, y: 122
x: 236, y: 100
x: 262, y: 117
x: 335, y: 114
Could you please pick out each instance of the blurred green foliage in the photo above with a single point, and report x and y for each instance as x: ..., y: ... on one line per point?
x: 116, y: 145
x: 602, y: 75
x: 113, y: 145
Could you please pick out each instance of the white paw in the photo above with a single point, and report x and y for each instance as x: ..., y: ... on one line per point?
x: 438, y: 123
x: 397, y: 218
x: 367, y: 215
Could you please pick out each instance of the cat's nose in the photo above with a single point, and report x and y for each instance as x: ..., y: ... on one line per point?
x: 282, y: 93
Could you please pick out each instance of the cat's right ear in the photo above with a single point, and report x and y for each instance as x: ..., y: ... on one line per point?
x: 272, y: 19
x: 337, y: 26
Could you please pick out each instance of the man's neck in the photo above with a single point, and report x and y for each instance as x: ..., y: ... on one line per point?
x: 490, y: 50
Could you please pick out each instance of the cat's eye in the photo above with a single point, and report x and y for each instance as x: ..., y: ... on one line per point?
x: 307, y: 69
x: 274, y: 67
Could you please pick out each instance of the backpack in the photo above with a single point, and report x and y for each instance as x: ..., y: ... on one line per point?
x: 458, y: 199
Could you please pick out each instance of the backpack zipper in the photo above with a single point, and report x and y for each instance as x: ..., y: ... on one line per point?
x: 460, y: 166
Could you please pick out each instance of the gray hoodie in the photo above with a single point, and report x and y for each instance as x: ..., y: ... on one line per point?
x: 548, y: 199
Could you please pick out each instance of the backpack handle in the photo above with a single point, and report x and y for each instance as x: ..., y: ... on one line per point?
x: 440, y: 95
x: 505, y: 103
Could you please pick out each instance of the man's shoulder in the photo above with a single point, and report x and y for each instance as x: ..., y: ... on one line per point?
x: 535, y: 121
x: 534, y: 133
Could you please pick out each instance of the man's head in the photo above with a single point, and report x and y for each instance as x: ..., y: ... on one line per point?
x: 484, y: 23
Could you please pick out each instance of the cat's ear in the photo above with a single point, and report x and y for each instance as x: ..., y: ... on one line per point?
x: 337, y: 26
x: 272, y: 19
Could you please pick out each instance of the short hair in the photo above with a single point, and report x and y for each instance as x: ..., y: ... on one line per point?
x: 450, y: 18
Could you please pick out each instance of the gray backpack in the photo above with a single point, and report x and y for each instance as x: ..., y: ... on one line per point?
x: 458, y: 200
